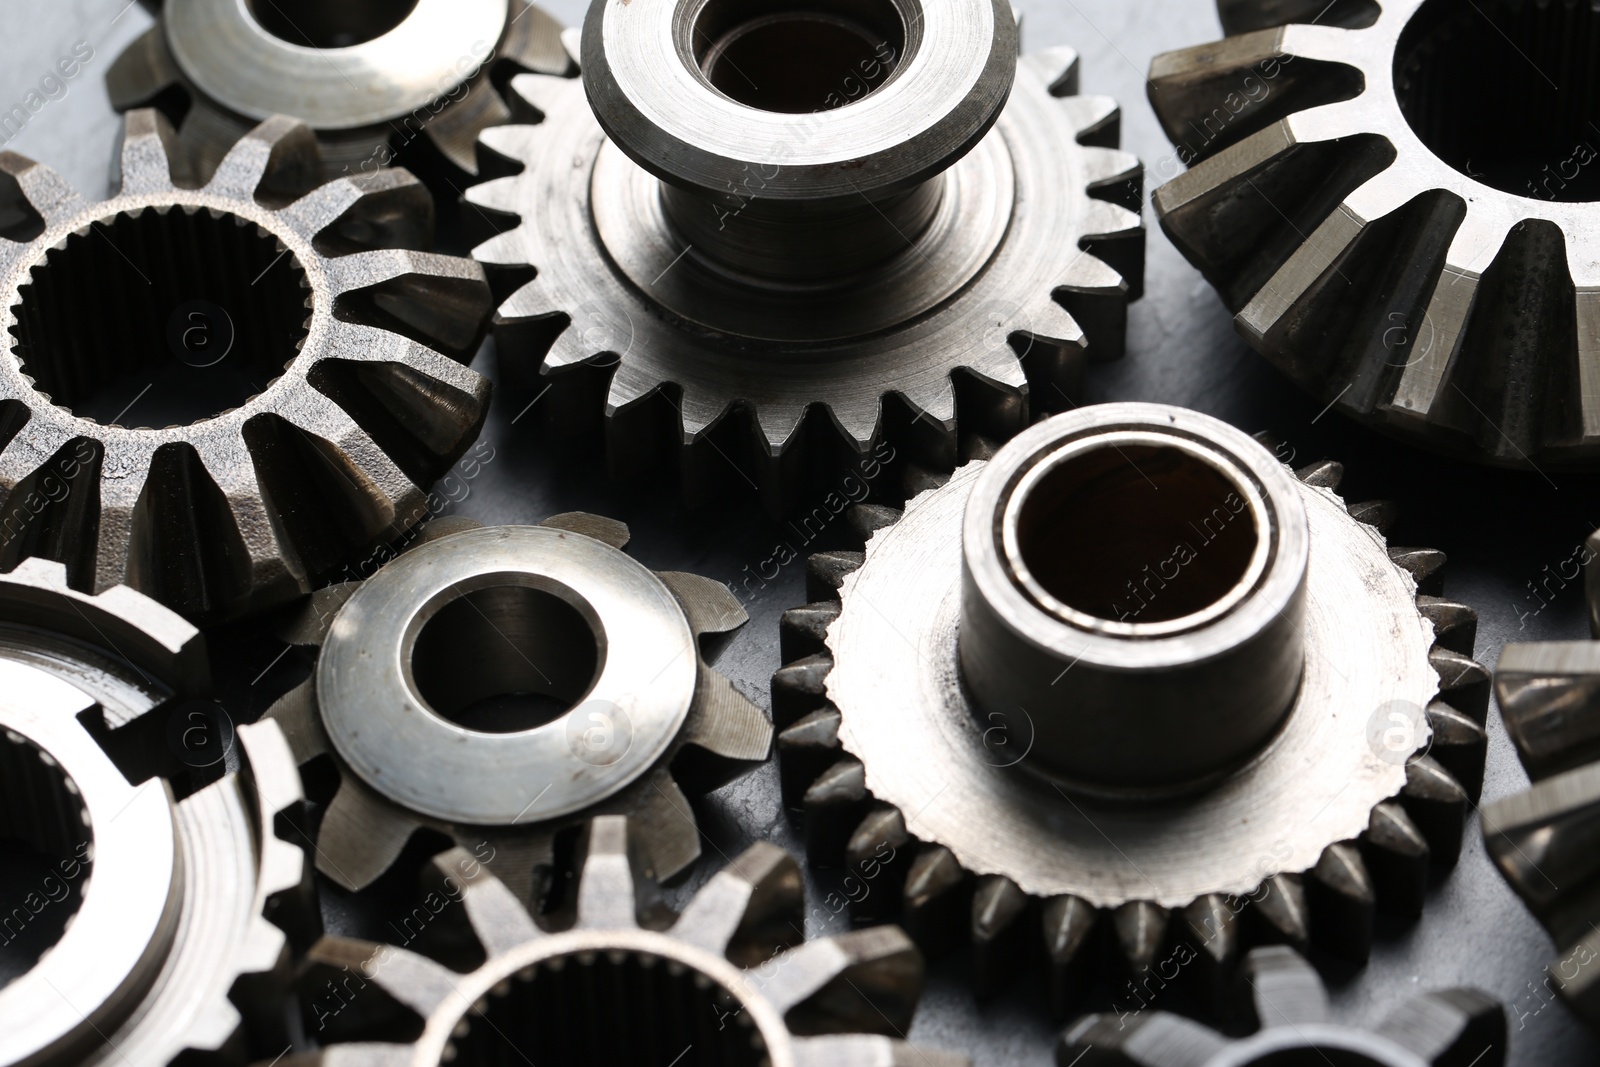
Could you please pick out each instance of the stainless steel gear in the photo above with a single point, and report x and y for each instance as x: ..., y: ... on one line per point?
x: 730, y: 981
x: 901, y: 228
x: 215, y: 395
x: 1400, y: 208
x: 1442, y: 1029
x: 1116, y: 693
x: 372, y: 79
x: 169, y: 949
x: 415, y: 679
x: 1542, y: 841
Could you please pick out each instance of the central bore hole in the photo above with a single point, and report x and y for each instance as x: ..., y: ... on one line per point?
x: 44, y: 854
x: 325, y: 24
x: 1507, y: 92
x: 616, y: 1010
x: 1137, y: 533
x: 505, y: 659
x: 797, y: 58
x: 160, y: 319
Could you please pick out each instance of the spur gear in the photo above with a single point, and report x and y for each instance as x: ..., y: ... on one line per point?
x: 266, y: 378
x: 730, y: 981
x: 1138, y: 712
x: 1400, y: 208
x: 906, y: 230
x: 370, y: 78
x: 1444, y: 1029
x: 176, y: 940
x: 1542, y: 840
x: 414, y: 695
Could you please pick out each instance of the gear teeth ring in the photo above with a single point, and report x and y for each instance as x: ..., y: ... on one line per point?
x: 960, y: 879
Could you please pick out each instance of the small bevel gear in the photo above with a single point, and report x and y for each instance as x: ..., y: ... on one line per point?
x: 177, y: 941
x: 216, y: 395
x: 1116, y: 698
x: 1397, y: 199
x: 369, y: 78
x: 1542, y: 840
x: 902, y: 228
x: 413, y: 696
x: 729, y: 982
x: 1448, y: 1028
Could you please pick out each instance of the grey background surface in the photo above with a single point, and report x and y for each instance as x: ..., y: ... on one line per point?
x: 1502, y: 530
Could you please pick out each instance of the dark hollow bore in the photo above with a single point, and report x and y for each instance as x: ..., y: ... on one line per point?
x: 504, y: 659
x: 1507, y: 92
x: 161, y: 319
x: 44, y: 855
x: 629, y: 1011
x: 807, y: 58
x: 330, y: 23
x: 1136, y: 534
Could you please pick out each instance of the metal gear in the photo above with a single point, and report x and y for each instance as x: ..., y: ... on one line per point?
x: 729, y: 981
x: 731, y: 264
x: 369, y: 78
x: 412, y: 658
x: 177, y: 943
x: 1444, y: 1029
x: 1399, y: 208
x: 270, y: 377
x: 1542, y: 840
x: 1238, y: 749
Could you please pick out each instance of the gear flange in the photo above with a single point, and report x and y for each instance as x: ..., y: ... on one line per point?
x: 1095, y: 706
x: 907, y: 229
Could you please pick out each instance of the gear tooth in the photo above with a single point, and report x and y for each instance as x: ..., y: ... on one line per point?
x: 1547, y: 701
x: 731, y: 734
x: 296, y: 715
x: 120, y: 528
x: 711, y: 606
x: 1342, y: 902
x: 613, y: 532
x: 800, y: 687
x: 606, y: 890
x: 384, y: 494
x: 141, y: 72
x: 628, y: 386
x: 935, y: 400
x: 504, y: 195
x: 1455, y: 625
x: 1143, y: 1039
x: 543, y: 94
x: 1105, y: 221
x: 826, y: 572
x: 1460, y: 746
x: 1533, y: 838
x: 1140, y: 928
x: 1286, y: 990
x: 438, y: 301
x: 1115, y: 175
x: 864, y: 520
x: 361, y: 835
x: 29, y: 188
x: 936, y: 900
x: 1057, y: 67
x: 1437, y: 804
x: 865, y: 981
x: 750, y: 910
x: 834, y: 806
x: 1396, y: 855
x: 498, y: 919
x: 1095, y: 120
x: 1450, y: 1026
x: 148, y: 159
x: 878, y: 852
x: 1379, y: 514
x: 1463, y: 683
x: 413, y: 981
x: 515, y: 248
x: 1279, y: 912
x: 571, y: 347
x: 1069, y: 925
x: 454, y: 129
x: 1051, y: 319
x: 1326, y: 474
x: 1210, y: 926
x: 1000, y: 933
x: 1425, y: 565
x: 916, y: 479
x: 803, y: 631
x: 514, y: 142
x: 279, y: 161
x: 807, y: 749
x: 382, y: 209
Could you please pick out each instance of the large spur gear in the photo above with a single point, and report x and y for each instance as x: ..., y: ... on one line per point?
x: 176, y: 944
x: 373, y: 80
x: 416, y: 665
x: 1073, y: 710
x: 907, y: 228
x: 729, y: 981
x: 1542, y: 840
x: 1447, y: 1028
x: 1399, y: 208
x: 266, y: 379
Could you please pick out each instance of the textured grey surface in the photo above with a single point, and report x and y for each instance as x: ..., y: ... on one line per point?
x: 1507, y: 534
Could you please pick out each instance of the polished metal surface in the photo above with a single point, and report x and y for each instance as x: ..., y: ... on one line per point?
x: 717, y: 262
x: 750, y: 990
x: 1398, y: 206
x: 368, y: 77
x: 339, y: 390
x: 1290, y: 1005
x: 469, y: 616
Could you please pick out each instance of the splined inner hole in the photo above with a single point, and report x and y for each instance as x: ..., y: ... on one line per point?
x: 1136, y: 533
x: 44, y: 853
x: 623, y: 1009
x: 505, y: 659
x: 802, y: 57
x: 1507, y: 92
x: 160, y: 318
x: 325, y: 24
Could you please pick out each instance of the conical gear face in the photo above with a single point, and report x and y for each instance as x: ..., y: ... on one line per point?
x: 1400, y: 209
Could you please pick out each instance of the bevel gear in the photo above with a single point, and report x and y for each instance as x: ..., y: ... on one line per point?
x: 907, y: 230
x: 412, y: 659
x: 730, y: 981
x: 216, y: 395
x: 1231, y: 745
x: 1398, y: 203
x: 370, y: 79
x: 1448, y: 1028
x: 1542, y: 840
x: 177, y: 943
